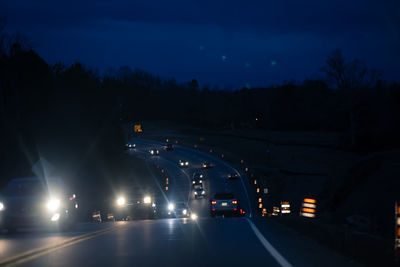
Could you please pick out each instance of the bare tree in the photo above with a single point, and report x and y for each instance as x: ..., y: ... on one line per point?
x: 348, y: 75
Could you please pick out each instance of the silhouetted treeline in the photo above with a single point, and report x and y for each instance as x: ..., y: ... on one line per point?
x: 74, y: 115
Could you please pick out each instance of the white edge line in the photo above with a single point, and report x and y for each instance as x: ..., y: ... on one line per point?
x: 274, y: 253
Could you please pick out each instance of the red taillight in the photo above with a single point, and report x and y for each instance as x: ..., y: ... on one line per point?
x: 213, y: 202
x: 235, y: 209
x: 234, y: 202
x: 213, y: 209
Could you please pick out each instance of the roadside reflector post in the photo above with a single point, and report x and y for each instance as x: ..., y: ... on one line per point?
x: 308, y: 208
x: 265, y: 190
x: 258, y: 190
x: 246, y: 169
x: 260, y: 206
x: 275, y: 211
x: 222, y: 156
x: 167, y: 180
x: 285, y: 207
x: 259, y: 200
x: 166, y: 188
x: 397, y: 231
x: 241, y: 161
x: 264, y: 212
x: 255, y: 181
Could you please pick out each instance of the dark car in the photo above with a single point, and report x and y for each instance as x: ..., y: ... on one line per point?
x: 34, y: 201
x: 233, y: 176
x: 207, y: 165
x: 154, y: 151
x: 137, y: 203
x: 197, y: 178
x: 199, y: 192
x: 178, y: 210
x: 168, y: 147
x: 225, y: 204
x: 130, y: 146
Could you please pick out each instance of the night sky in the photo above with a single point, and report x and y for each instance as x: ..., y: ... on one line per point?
x: 229, y: 43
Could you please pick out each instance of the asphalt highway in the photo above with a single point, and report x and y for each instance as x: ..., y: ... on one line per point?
x: 220, y: 241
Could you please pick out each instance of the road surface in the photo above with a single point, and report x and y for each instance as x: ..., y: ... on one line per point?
x: 248, y: 241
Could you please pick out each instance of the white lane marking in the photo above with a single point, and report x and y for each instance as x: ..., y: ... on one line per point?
x: 274, y: 253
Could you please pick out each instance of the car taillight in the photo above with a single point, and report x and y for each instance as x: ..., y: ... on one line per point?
x: 234, y: 202
x: 213, y: 202
x: 213, y: 209
x: 235, y: 209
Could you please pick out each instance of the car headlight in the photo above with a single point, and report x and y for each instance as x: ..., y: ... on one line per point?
x: 171, y: 207
x: 195, y: 193
x: 53, y: 204
x: 184, y: 212
x: 147, y: 200
x: 201, y: 181
x: 1, y: 206
x: 203, y: 192
x: 186, y: 163
x: 194, y: 216
x: 152, y: 152
x: 121, y: 201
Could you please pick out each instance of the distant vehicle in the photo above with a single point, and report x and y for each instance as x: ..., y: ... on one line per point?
x: 233, y: 176
x: 168, y: 147
x: 137, y: 203
x: 154, y: 152
x: 199, y: 192
x: 130, y: 146
x: 207, y: 165
x: 33, y: 201
x: 197, y: 178
x: 183, y: 163
x: 178, y: 210
x: 225, y: 204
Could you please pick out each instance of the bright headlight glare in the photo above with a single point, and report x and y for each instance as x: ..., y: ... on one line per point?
x: 53, y: 204
x: 1, y: 206
x: 194, y: 216
x: 147, y: 200
x: 184, y: 212
x: 195, y: 193
x: 121, y: 201
x: 171, y: 207
x: 55, y: 217
x: 203, y: 192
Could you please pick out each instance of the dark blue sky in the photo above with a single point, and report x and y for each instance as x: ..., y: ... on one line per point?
x: 230, y: 43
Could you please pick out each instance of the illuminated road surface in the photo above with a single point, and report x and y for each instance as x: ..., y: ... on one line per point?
x: 173, y: 242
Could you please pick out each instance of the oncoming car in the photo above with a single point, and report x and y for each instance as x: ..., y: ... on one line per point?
x: 33, y: 201
x: 154, y: 152
x: 199, y: 192
x: 197, y: 178
x: 130, y: 146
x: 138, y: 204
x: 178, y: 210
x: 183, y: 163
